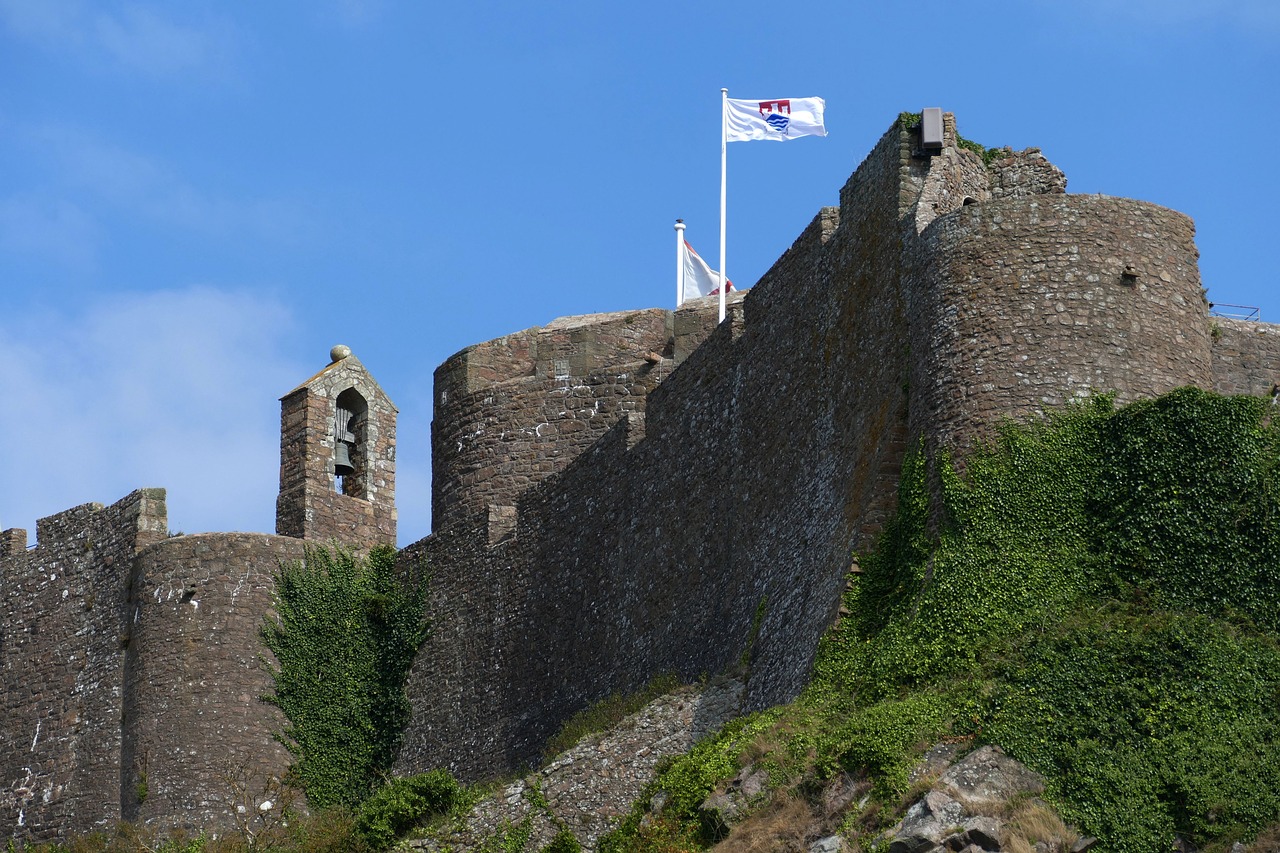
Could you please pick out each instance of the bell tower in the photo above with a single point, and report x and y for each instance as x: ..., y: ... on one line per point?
x: 338, y: 457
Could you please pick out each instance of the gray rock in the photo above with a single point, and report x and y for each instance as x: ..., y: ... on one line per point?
x: 913, y: 844
x: 733, y: 805
x: 987, y: 776
x: 934, y: 761
x: 841, y: 792
x: 929, y: 820
x: 932, y: 816
x: 724, y: 809
x: 751, y: 783
x: 1086, y: 842
x: 830, y: 844
x: 980, y: 832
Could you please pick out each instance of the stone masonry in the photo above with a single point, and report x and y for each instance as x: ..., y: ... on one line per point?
x: 719, y: 519
x: 615, y: 496
x: 131, y: 670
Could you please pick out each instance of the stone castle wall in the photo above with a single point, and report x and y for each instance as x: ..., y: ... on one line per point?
x: 195, y: 673
x: 1246, y: 357
x: 722, y: 516
x: 510, y: 412
x: 62, y: 619
x: 131, y: 667
x: 615, y: 496
x: 1023, y: 303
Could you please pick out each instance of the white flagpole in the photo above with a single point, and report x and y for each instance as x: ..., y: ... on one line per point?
x: 724, y: 139
x: 679, y: 262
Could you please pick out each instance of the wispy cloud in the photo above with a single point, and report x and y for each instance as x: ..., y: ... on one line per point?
x: 131, y: 35
x: 175, y: 389
x: 81, y: 165
x: 49, y: 229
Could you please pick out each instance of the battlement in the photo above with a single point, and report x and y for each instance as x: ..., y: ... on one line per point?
x: 512, y: 411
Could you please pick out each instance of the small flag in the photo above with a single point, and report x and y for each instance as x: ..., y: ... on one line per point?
x: 699, y: 278
x: 783, y: 119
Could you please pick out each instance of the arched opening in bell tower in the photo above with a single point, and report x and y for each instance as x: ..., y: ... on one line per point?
x: 351, y: 445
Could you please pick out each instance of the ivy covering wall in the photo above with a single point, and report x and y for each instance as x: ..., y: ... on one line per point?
x: 345, y: 632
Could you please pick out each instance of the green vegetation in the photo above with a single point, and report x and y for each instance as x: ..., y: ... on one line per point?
x: 402, y: 804
x: 344, y: 635
x: 606, y: 714
x: 1096, y: 593
x: 988, y: 155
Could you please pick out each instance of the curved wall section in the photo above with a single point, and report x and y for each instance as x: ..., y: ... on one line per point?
x: 513, y: 411
x: 1023, y: 304
x: 194, y: 677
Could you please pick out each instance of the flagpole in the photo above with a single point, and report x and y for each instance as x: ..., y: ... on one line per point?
x: 679, y: 262
x: 724, y: 139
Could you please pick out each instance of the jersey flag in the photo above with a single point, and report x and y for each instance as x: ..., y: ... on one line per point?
x: 788, y: 118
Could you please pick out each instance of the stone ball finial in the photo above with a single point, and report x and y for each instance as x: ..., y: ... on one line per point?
x: 339, y: 352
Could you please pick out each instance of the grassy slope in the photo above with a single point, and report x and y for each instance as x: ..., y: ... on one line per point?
x: 1099, y: 599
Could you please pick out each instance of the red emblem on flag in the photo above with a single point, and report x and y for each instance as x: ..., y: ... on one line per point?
x: 775, y: 106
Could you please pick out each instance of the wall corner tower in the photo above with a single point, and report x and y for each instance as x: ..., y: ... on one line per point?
x: 338, y: 457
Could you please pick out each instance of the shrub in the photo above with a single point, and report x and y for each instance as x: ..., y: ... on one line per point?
x: 404, y: 803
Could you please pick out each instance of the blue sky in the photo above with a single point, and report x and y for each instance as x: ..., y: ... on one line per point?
x: 199, y: 199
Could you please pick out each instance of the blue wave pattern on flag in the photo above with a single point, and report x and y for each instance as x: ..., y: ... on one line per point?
x: 780, y: 119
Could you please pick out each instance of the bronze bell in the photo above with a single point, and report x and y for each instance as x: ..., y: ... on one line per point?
x: 342, y: 460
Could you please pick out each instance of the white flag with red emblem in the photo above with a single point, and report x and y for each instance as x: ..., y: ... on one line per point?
x: 786, y: 118
x: 699, y: 279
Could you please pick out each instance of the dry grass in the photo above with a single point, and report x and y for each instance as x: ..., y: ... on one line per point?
x: 1029, y: 821
x: 1268, y: 841
x: 783, y: 825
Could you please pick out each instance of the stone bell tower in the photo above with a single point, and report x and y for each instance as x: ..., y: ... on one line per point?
x: 338, y: 457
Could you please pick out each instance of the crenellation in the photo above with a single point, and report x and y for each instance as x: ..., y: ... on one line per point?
x: 492, y: 442
x: 12, y: 542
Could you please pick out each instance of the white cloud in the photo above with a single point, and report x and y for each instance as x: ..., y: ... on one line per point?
x: 176, y: 389
x: 132, y: 35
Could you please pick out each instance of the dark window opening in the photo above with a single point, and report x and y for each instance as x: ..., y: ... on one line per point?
x: 350, y: 445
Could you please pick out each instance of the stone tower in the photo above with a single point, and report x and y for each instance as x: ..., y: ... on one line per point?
x: 338, y: 457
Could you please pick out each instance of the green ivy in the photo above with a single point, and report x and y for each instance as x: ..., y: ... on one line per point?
x: 345, y: 632
x: 403, y: 803
x: 1188, y: 505
x: 1148, y: 725
x: 1105, y: 582
x: 1095, y: 591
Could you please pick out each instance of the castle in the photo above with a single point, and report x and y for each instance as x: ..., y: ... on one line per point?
x: 614, y: 496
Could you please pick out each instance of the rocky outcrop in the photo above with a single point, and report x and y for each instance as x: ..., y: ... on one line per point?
x: 588, y: 789
x: 985, y: 801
